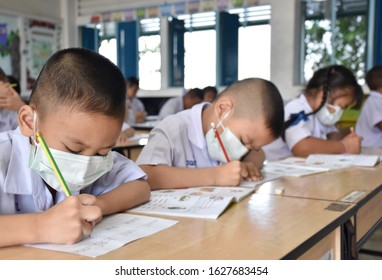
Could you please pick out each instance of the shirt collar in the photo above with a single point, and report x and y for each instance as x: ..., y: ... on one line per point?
x: 195, y: 129
x: 20, y: 179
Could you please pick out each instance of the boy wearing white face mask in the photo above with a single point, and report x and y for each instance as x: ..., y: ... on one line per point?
x: 183, y: 150
x: 311, y: 117
x: 78, y: 105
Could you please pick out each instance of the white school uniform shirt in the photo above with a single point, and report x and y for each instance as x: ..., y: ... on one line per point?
x: 172, y: 106
x: 23, y: 191
x: 370, y: 116
x: 310, y: 128
x: 8, y: 120
x: 178, y: 141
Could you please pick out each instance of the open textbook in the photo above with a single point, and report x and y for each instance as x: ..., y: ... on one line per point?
x: 198, y: 202
x: 317, y: 163
x: 111, y: 233
x: 267, y: 176
x: 294, y: 166
x: 343, y: 160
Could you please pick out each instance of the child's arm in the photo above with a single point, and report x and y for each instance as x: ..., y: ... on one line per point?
x: 65, y: 223
x: 311, y: 145
x: 124, y: 197
x: 168, y: 177
x: 257, y: 157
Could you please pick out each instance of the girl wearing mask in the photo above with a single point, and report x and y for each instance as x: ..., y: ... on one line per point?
x: 311, y: 117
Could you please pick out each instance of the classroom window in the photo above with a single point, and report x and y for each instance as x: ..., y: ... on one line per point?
x: 108, y: 48
x: 200, y: 49
x: 255, y: 58
x: 254, y: 55
x: 200, y: 59
x: 149, y: 64
x: 149, y: 57
x: 343, y: 42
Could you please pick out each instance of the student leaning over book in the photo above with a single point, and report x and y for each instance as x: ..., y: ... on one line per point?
x: 78, y: 105
x: 369, y: 123
x: 185, y: 150
x: 311, y: 117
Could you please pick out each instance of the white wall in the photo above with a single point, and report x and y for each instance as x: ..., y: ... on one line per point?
x: 283, y: 49
x: 43, y: 8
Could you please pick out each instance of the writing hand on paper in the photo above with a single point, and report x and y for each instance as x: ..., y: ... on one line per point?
x: 228, y: 174
x: 250, y: 172
x: 352, y: 143
x: 69, y: 221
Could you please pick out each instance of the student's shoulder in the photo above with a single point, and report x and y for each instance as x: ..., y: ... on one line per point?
x: 175, y: 122
x: 7, y: 139
x: 296, y: 103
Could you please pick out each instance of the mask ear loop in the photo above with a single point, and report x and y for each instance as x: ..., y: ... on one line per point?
x: 220, y: 123
x: 34, y: 128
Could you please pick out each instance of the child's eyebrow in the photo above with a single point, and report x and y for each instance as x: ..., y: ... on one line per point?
x: 79, y: 142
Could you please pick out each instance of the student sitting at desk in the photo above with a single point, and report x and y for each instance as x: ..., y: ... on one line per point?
x: 184, y: 150
x: 311, y: 117
x: 127, y: 132
x: 135, y: 111
x: 10, y: 103
x: 77, y: 106
x: 177, y: 104
x: 369, y: 123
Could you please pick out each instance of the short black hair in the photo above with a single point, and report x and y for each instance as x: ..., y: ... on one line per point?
x: 374, y: 78
x: 210, y: 89
x: 132, y: 81
x: 196, y: 93
x: 79, y: 79
x: 335, y: 77
x: 258, y: 98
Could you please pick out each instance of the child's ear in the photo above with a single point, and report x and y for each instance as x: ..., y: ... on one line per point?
x: 25, y: 118
x: 224, y: 106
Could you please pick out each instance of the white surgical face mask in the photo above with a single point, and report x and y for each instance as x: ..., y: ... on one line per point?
x: 233, y: 146
x: 78, y: 171
x: 328, y: 118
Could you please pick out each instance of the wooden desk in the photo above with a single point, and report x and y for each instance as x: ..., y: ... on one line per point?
x: 334, y: 186
x: 145, y: 126
x: 133, y: 146
x: 259, y: 227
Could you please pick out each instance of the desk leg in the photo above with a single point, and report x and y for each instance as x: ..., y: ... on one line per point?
x: 348, y: 244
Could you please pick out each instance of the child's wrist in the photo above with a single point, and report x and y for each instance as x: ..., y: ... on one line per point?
x: 345, y: 149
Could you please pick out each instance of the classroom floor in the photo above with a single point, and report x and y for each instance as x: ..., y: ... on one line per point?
x: 374, y: 243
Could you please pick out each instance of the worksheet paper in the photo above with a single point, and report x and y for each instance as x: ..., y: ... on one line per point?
x: 198, y: 202
x: 267, y: 176
x: 111, y: 233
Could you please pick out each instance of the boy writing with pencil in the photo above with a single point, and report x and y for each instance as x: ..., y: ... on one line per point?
x: 73, y: 119
x: 218, y: 143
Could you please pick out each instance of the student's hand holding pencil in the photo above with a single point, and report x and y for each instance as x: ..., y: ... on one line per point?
x: 68, y: 221
x: 9, y: 98
x: 228, y: 174
x: 352, y: 142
